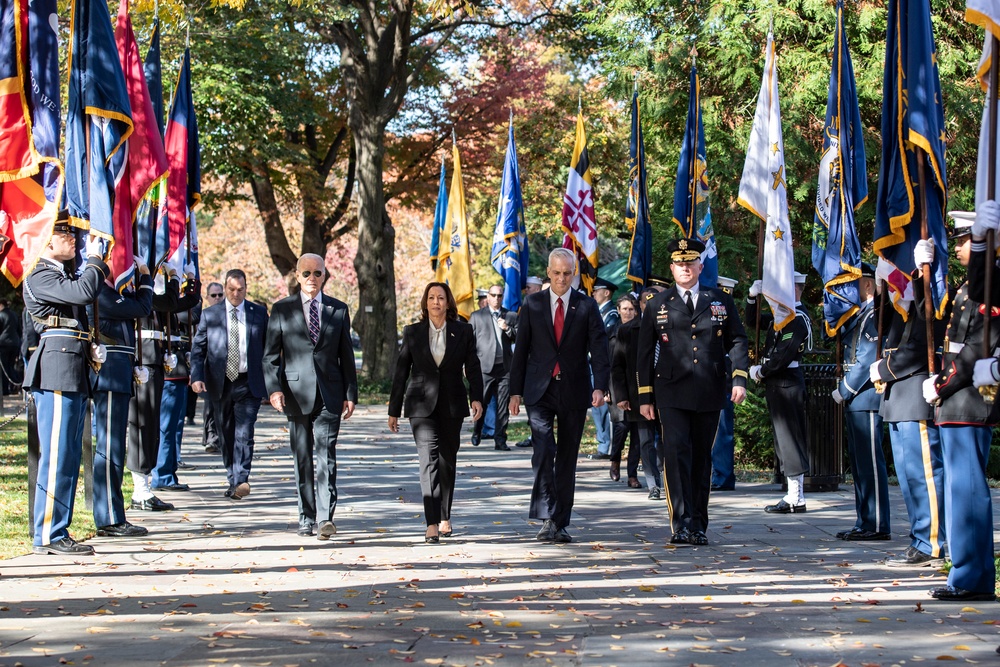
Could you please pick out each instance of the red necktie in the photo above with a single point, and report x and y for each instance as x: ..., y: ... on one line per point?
x: 558, y: 326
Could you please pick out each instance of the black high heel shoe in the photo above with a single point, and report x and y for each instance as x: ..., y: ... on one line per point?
x: 432, y: 539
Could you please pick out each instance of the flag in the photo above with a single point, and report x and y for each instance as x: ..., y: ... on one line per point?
x: 692, y: 212
x: 912, y: 118
x: 763, y: 193
x: 843, y: 188
x: 640, y: 256
x: 578, y: 210
x: 985, y: 13
x: 509, y: 253
x: 440, y: 215
x: 152, y: 216
x: 147, y: 162
x: 455, y: 267
x: 31, y: 174
x: 98, y: 128
x: 184, y: 180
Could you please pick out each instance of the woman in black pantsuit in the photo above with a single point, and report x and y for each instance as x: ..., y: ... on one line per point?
x: 434, y: 353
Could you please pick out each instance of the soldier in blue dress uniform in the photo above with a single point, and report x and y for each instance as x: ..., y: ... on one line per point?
x: 113, y: 383
x: 58, y: 378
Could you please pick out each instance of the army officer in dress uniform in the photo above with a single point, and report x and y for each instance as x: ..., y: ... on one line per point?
x: 695, y: 328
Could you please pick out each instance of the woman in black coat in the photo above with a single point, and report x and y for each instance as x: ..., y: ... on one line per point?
x: 434, y: 353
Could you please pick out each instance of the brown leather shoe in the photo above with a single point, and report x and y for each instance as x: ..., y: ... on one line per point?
x: 242, y: 490
x: 616, y: 471
x: 633, y: 483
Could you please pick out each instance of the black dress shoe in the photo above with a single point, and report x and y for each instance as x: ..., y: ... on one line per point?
x: 781, y: 507
x: 599, y: 457
x: 173, y: 487
x: 914, y: 557
x: 67, y: 546
x: 842, y: 535
x: 152, y: 504
x: 524, y: 443
x: 561, y: 536
x: 475, y: 440
x: 547, y: 532
x: 682, y: 536
x: 306, y: 531
x: 866, y: 536
x: 697, y: 538
x: 229, y: 491
x: 502, y: 447
x: 719, y: 487
x: 123, y: 529
x: 952, y: 594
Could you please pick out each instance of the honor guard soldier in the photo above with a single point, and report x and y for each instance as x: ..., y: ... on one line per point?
x: 724, y: 449
x: 785, y: 388
x: 58, y: 377
x: 693, y: 328
x: 144, y: 409
x: 113, y: 389
x: 965, y: 420
x: 173, y: 404
x: 861, y: 402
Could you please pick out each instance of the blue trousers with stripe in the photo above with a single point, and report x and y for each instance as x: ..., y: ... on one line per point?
x: 871, y: 481
x: 916, y: 451
x: 60, y: 438
x: 968, y: 507
x: 111, y: 425
x: 173, y: 405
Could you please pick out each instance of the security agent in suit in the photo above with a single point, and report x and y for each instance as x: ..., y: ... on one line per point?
x: 964, y: 419
x: 785, y: 388
x: 310, y: 376
x: 693, y: 328
x: 112, y: 391
x: 58, y: 377
x: 495, y: 328
x: 429, y: 369
x: 209, y: 427
x: 864, y: 423
x: 227, y: 364
x: 556, y: 331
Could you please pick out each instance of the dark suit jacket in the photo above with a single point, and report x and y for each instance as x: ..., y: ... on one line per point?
x: 486, y: 339
x: 211, y: 348
x: 536, y: 351
x: 430, y: 384
x: 303, y: 371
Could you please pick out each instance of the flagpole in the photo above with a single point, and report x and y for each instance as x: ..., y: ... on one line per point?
x: 989, y: 392
x: 926, y: 268
x: 692, y: 210
x: 760, y: 273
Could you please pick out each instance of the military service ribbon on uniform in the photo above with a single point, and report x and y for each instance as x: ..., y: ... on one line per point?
x: 578, y: 220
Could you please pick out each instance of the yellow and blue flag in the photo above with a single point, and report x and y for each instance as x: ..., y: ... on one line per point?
x: 692, y: 209
x: 640, y: 256
x: 455, y: 267
x: 843, y: 188
x: 912, y: 131
x: 509, y: 253
x: 440, y: 215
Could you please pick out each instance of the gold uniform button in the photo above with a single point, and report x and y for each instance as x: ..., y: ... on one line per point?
x: 695, y: 361
x: 694, y: 338
x: 695, y: 349
x: 693, y: 326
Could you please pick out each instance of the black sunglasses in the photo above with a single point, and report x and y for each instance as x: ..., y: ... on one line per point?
x: 217, y: 295
x: 496, y: 294
x: 306, y: 274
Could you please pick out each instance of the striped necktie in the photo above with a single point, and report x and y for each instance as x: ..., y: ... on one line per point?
x: 313, y: 321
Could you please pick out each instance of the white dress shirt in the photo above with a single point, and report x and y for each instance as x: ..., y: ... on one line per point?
x: 437, y: 341
x: 552, y: 304
x: 319, y: 308
x: 241, y: 317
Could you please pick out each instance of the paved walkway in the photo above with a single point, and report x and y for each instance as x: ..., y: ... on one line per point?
x: 229, y: 583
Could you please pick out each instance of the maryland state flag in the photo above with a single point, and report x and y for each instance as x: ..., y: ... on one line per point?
x: 640, y: 256
x: 912, y: 131
x: 509, y: 254
x: 147, y: 162
x: 31, y: 175
x: 455, y: 266
x: 184, y: 180
x: 440, y: 216
x: 692, y: 211
x: 578, y: 210
x: 98, y: 126
x: 843, y: 188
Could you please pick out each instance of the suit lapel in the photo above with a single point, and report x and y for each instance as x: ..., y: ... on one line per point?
x: 328, y: 312
x: 449, y: 341
x: 705, y: 299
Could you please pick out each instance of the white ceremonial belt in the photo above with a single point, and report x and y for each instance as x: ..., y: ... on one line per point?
x: 794, y: 364
x: 151, y: 334
x: 954, y: 348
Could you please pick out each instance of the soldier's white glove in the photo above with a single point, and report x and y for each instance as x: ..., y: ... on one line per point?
x: 755, y: 373
x: 189, y: 270
x: 98, y: 352
x: 96, y: 246
x: 169, y: 361
x: 756, y: 288
x: 923, y: 252
x: 140, y: 264
x: 141, y: 374
x: 985, y: 372
x: 987, y: 219
x: 930, y: 391
x: 837, y: 397
x: 873, y: 372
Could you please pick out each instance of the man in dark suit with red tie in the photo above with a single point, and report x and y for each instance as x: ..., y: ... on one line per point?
x: 311, y: 377
x: 557, y: 329
x: 226, y: 362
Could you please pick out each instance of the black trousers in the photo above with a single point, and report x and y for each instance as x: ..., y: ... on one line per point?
x: 620, y: 433
x: 144, y: 423
x: 786, y: 401
x: 314, y: 447
x: 438, y: 439
x: 687, y: 442
x: 209, y: 427
x: 554, y: 454
x: 496, y: 383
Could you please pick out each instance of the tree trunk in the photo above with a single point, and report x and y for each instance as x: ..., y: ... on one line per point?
x: 375, y: 320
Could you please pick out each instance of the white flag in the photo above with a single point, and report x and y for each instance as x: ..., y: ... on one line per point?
x: 762, y: 192
x: 985, y: 13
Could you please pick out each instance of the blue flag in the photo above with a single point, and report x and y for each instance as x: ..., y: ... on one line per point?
x: 843, y: 188
x: 640, y: 256
x: 510, y: 240
x: 98, y: 125
x: 440, y: 216
x: 692, y: 211
x: 912, y: 130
